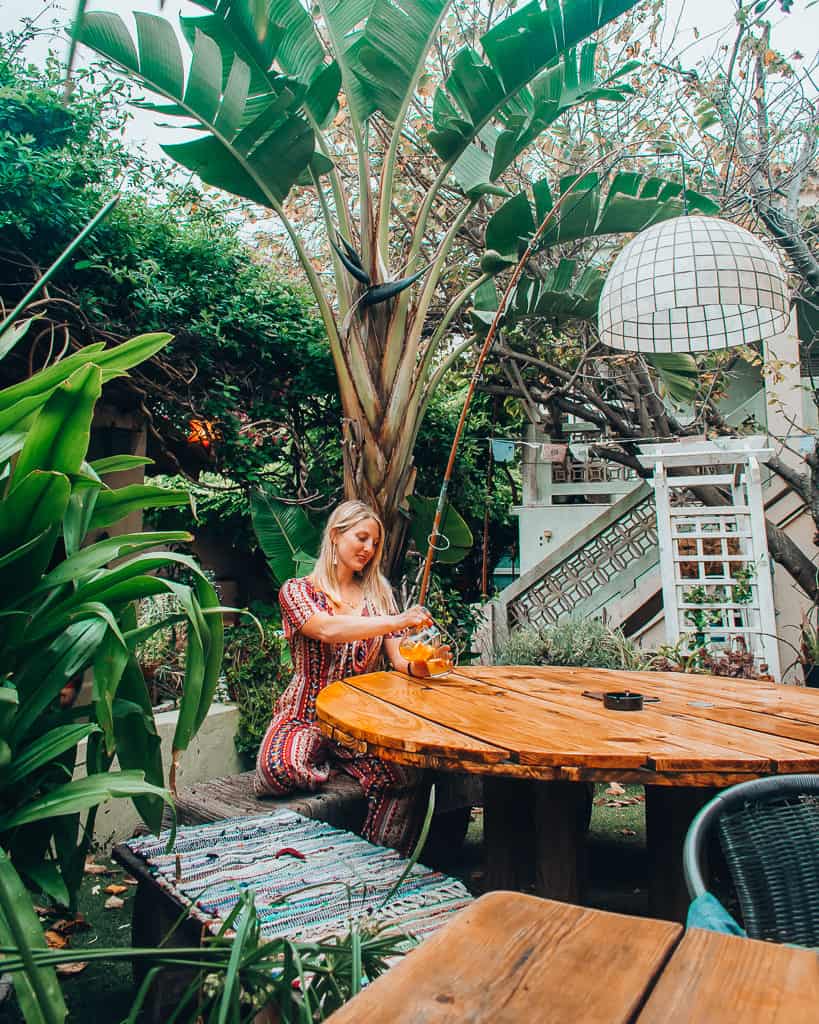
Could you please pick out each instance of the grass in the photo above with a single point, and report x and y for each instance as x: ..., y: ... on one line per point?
x: 617, y: 869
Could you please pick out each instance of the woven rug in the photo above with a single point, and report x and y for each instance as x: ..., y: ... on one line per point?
x: 310, y: 880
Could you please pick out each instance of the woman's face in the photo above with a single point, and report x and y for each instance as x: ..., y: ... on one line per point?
x: 355, y: 547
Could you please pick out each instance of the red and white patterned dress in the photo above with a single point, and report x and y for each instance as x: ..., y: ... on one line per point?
x: 296, y: 755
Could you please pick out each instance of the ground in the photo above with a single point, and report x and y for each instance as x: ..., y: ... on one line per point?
x: 102, y: 992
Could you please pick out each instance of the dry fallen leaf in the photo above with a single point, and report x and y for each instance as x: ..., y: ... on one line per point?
x: 129, y: 881
x: 55, y: 940
x: 114, y: 903
x: 67, y: 925
x: 115, y: 890
x: 615, y: 789
x: 626, y: 832
x: 72, y: 968
x: 95, y: 869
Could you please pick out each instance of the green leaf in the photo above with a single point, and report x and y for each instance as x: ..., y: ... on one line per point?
x: 95, y: 556
x: 38, y: 991
x: 454, y: 538
x: 114, y: 360
x: 47, y: 878
x: 160, y: 58
x: 518, y: 49
x: 214, y: 648
x: 632, y: 202
x: 109, y: 663
x: 679, y: 373
x: 36, y: 504
x: 77, y: 518
x: 197, y: 642
x: 256, y: 143
x: 138, y: 743
x: 59, y: 436
x: 44, y: 750
x: 47, y: 671
x: 11, y: 335
x: 116, y: 504
x: 80, y: 794
x: 509, y: 226
x: 392, y: 49
x: 119, y: 464
x: 282, y: 531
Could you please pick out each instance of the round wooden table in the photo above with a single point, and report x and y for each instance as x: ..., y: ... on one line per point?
x: 537, y: 739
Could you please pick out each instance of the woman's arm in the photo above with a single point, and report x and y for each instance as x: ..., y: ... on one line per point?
x: 339, y: 629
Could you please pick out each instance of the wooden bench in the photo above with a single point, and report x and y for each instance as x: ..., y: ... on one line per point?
x: 339, y: 802
x: 509, y: 958
x: 330, y: 874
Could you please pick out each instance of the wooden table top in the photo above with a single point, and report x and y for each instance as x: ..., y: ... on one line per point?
x: 534, y: 722
x: 511, y: 957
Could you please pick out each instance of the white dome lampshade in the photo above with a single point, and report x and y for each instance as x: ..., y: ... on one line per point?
x: 691, y: 284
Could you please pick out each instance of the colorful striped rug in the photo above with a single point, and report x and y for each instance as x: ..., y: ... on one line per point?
x: 310, y: 880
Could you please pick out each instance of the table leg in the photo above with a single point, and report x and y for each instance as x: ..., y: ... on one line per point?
x: 533, y: 836
x: 509, y: 833
x: 669, y: 812
x: 561, y: 821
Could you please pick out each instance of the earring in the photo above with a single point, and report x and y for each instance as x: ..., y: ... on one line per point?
x: 335, y: 556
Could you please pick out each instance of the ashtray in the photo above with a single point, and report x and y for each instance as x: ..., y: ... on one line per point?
x: 623, y: 700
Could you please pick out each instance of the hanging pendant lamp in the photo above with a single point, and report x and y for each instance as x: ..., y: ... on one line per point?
x: 691, y: 284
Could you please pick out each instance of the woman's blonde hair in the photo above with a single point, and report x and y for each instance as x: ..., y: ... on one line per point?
x: 376, y: 589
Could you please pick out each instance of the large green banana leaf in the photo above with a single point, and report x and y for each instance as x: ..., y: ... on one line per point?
x: 257, y: 144
x: 289, y: 540
x: 679, y: 374
x: 563, y: 294
x: 632, y: 202
x: 517, y: 50
x: 569, y: 82
x: 381, y: 47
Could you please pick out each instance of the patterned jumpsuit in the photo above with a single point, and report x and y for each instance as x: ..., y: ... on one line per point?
x: 295, y: 755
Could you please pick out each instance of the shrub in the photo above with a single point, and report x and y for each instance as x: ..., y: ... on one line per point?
x: 574, y: 641
x: 257, y: 670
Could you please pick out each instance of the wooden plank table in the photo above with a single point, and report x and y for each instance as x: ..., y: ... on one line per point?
x: 534, y: 738
x: 511, y: 958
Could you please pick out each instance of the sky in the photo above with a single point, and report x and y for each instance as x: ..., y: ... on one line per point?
x: 702, y: 25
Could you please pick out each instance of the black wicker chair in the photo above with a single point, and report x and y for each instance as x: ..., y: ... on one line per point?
x: 769, y: 833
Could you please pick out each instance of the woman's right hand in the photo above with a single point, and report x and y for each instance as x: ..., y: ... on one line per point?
x: 416, y: 617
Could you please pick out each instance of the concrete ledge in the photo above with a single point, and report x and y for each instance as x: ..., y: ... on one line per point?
x: 211, y: 754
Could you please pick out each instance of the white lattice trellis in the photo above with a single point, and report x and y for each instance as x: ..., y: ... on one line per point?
x: 716, y: 569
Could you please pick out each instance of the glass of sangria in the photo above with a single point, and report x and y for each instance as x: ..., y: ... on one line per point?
x: 431, y: 646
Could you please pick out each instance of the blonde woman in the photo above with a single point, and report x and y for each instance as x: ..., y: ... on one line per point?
x: 336, y: 621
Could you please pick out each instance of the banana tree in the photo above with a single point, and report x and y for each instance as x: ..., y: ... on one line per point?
x: 267, y: 84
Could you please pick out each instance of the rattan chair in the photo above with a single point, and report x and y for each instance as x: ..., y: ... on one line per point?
x: 769, y: 833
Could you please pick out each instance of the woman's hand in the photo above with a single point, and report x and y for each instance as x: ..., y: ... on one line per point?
x: 416, y: 617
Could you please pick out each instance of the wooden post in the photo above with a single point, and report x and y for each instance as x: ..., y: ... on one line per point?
x: 669, y: 812
x: 509, y: 833
x: 561, y: 821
